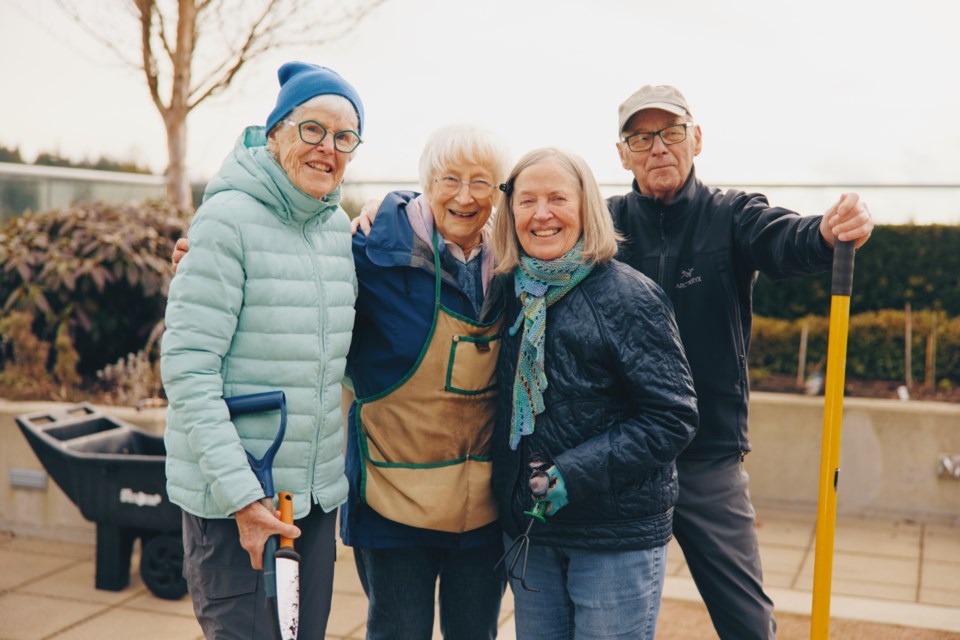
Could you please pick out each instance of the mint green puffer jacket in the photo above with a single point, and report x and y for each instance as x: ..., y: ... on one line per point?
x: 263, y: 300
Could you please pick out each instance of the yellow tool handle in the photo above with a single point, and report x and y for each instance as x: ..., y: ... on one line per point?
x: 841, y: 289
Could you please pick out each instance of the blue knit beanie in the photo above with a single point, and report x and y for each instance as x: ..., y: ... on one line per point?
x: 300, y: 81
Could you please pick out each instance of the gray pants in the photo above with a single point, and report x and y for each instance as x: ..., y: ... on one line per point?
x: 227, y: 593
x: 715, y: 525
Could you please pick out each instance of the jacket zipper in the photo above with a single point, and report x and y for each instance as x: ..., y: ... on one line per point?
x: 322, y: 387
x: 663, y: 250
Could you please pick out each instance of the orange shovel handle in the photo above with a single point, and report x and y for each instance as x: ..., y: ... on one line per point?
x: 286, y: 515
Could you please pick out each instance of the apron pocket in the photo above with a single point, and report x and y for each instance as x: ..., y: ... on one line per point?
x: 471, y: 368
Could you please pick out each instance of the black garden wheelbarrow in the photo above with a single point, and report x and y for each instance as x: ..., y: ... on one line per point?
x: 114, y: 473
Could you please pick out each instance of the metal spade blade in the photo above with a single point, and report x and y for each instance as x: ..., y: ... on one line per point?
x: 288, y: 576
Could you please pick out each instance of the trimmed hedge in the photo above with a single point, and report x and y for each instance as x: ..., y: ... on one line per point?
x: 875, y: 346
x: 919, y: 264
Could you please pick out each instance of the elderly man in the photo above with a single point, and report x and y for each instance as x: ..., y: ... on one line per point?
x: 705, y: 246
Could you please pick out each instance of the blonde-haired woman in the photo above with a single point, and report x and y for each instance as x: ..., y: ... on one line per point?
x: 593, y: 382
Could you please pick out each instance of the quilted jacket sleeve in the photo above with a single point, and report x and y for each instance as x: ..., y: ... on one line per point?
x: 202, y: 311
x: 652, y: 381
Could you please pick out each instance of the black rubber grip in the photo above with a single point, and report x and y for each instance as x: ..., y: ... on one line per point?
x: 843, y: 253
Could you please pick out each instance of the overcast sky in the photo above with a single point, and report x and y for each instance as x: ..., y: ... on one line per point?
x: 836, y: 91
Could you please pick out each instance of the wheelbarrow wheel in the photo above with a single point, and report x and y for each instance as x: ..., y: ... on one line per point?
x: 161, y: 567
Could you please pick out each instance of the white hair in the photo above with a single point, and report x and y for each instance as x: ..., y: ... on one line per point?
x: 466, y: 144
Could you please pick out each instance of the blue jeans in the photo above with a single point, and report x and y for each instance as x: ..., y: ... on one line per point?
x: 400, y: 585
x: 589, y: 594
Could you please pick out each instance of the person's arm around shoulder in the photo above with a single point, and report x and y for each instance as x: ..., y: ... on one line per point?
x: 364, y: 219
x: 180, y: 250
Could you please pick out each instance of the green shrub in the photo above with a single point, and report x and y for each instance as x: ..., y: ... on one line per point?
x: 875, y: 345
x: 99, y: 270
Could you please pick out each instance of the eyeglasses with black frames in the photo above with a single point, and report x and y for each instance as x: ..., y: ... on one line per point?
x: 312, y: 132
x: 451, y: 185
x: 643, y: 140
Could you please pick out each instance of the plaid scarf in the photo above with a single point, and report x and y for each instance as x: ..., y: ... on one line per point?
x: 538, y: 284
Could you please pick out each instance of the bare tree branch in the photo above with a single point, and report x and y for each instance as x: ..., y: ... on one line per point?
x: 149, y: 66
x: 231, y: 32
x: 104, y: 40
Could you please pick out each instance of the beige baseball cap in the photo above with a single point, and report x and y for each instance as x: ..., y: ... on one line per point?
x: 660, y: 96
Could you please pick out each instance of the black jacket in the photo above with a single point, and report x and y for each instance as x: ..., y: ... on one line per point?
x: 620, y: 407
x: 705, y: 249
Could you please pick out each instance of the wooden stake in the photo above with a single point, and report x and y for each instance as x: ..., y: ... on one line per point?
x: 908, y: 345
x: 931, y: 373
x: 802, y: 358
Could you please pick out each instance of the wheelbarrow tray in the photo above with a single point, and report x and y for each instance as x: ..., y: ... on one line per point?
x: 114, y: 473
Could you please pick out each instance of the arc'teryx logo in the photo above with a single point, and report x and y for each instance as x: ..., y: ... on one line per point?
x: 687, y: 278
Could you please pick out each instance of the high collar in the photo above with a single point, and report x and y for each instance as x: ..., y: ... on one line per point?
x: 681, y: 204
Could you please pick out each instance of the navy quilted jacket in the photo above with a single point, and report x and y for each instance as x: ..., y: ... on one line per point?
x: 620, y: 407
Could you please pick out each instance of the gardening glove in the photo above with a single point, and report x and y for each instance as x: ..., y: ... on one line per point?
x: 557, y: 493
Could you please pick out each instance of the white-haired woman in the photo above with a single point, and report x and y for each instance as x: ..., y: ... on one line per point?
x: 595, y: 395
x: 264, y: 301
x: 422, y: 366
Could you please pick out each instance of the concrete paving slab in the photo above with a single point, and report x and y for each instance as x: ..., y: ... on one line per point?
x: 77, y: 582
x: 941, y: 542
x: 874, y: 590
x: 345, y: 578
x: 865, y: 567
x: 897, y: 539
x: 130, y: 623
x: 21, y: 568
x: 777, y: 559
x: 790, y: 530
x: 347, y: 615
x: 938, y: 574
x: 146, y: 601
x: 941, y: 597
x: 49, y: 548
x: 27, y: 617
x: 780, y: 580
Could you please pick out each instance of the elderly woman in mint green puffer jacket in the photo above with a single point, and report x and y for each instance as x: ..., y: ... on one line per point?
x: 264, y: 301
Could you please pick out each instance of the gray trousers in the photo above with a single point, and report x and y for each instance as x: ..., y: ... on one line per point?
x: 227, y: 594
x: 715, y: 525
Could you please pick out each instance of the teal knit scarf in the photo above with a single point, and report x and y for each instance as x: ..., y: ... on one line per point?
x: 538, y: 284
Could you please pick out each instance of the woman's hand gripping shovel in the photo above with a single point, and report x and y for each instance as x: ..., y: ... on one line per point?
x: 281, y: 566
x: 539, y: 485
x: 841, y: 287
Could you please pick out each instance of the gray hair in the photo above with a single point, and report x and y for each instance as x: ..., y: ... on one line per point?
x: 599, y: 237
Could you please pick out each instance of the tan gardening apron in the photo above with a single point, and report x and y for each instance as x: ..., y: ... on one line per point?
x: 425, y: 442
